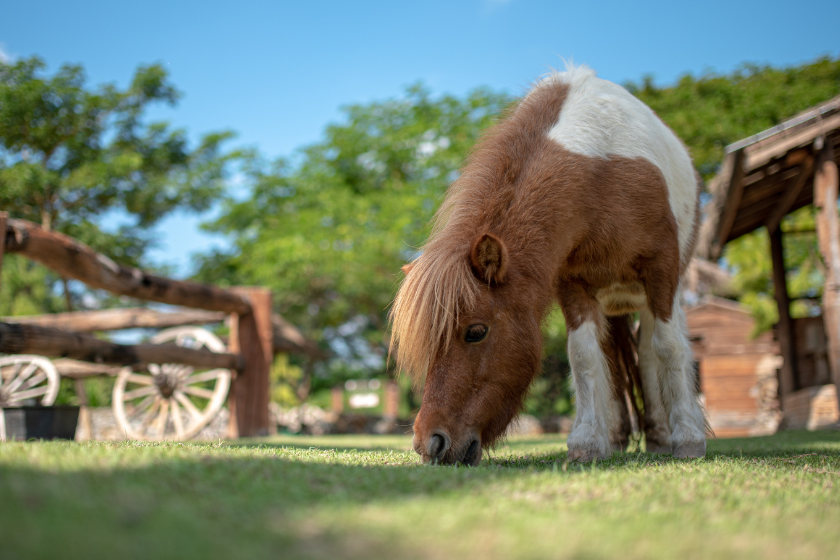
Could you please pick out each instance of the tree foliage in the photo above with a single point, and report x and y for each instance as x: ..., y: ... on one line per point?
x: 70, y: 154
x: 709, y: 113
x: 712, y: 111
x: 329, y: 235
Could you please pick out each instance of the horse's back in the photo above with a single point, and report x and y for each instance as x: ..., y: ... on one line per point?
x: 602, y: 120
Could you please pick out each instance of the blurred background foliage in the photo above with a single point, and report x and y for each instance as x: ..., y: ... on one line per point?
x: 328, y: 228
x: 72, y: 156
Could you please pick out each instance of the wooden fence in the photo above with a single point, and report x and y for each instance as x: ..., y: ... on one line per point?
x: 255, y: 332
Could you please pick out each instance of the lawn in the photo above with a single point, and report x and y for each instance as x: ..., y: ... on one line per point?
x: 366, y: 497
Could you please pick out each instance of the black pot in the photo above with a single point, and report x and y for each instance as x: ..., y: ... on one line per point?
x: 41, y: 422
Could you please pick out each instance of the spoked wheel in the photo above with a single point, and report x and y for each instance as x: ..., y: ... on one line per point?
x: 27, y: 380
x: 171, y: 401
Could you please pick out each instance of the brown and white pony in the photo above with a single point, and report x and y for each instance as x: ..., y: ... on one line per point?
x: 580, y: 195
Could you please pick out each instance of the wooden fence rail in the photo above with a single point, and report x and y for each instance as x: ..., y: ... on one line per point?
x: 72, y: 259
x: 118, y: 319
x: 285, y: 337
x: 43, y: 341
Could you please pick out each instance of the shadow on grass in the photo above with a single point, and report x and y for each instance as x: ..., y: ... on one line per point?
x: 252, y: 500
x: 530, y: 452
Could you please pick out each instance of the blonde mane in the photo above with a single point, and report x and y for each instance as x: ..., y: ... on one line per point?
x: 430, y: 301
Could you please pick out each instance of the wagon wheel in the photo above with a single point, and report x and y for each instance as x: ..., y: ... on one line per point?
x: 26, y: 380
x: 171, y: 401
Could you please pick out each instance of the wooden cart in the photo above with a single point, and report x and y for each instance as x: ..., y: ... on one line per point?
x: 171, y: 402
x: 168, y: 389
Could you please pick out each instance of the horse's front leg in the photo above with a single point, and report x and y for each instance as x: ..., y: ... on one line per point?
x: 594, y: 400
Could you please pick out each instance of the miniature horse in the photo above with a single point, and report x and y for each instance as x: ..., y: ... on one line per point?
x: 580, y: 195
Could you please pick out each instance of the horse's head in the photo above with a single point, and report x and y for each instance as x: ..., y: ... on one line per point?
x: 480, y: 373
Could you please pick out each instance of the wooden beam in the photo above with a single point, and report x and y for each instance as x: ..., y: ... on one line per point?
x: 791, y: 194
x: 787, y: 382
x: 3, y: 218
x: 761, y: 156
x: 75, y: 369
x: 285, y: 336
x: 117, y: 319
x: 30, y: 339
x: 730, y: 203
x: 767, y: 185
x: 251, y: 337
x: 828, y: 238
x: 72, y: 259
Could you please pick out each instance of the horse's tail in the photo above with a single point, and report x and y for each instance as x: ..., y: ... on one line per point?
x: 624, y: 371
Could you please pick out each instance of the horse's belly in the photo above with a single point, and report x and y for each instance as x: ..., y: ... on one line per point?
x: 621, y: 299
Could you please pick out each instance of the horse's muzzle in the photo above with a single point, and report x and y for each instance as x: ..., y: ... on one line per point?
x: 438, y: 450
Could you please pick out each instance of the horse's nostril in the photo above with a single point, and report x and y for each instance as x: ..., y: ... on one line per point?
x: 437, y: 446
x: 473, y: 454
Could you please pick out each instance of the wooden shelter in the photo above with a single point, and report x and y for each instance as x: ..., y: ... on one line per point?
x: 764, y: 178
x: 737, y: 371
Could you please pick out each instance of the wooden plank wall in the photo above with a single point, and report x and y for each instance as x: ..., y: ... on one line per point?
x: 737, y: 372
x: 811, y: 408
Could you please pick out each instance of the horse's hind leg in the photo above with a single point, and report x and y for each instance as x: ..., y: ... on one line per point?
x: 657, y: 432
x: 676, y: 382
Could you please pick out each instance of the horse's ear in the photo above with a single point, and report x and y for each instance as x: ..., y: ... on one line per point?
x: 406, y: 268
x: 489, y: 259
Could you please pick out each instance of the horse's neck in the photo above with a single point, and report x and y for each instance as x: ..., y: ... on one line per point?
x: 546, y: 234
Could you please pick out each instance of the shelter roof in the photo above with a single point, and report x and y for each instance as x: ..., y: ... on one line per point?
x: 767, y: 176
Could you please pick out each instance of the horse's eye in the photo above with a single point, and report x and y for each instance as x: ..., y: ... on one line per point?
x: 476, y: 333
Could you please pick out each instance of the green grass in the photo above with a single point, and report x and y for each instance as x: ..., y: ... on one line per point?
x: 366, y: 497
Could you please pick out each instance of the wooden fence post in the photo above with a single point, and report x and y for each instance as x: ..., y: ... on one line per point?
x: 251, y: 337
x: 828, y: 237
x: 3, y: 217
x: 391, y: 406
x: 787, y: 382
x: 337, y: 399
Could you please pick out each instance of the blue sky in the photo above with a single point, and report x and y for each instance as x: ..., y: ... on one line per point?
x: 278, y: 72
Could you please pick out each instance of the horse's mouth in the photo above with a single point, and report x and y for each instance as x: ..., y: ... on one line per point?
x: 438, y: 452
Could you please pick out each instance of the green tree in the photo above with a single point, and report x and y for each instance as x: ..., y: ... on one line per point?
x: 329, y: 234
x: 713, y: 111
x: 69, y: 154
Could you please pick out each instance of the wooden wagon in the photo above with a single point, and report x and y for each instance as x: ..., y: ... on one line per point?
x: 169, y: 388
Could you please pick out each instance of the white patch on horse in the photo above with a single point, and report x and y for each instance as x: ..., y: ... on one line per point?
x: 676, y: 381
x: 657, y: 430
x: 596, y: 408
x: 600, y: 119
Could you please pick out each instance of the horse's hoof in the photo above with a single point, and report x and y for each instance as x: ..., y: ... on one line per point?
x: 658, y: 448
x: 619, y: 445
x: 690, y: 450
x: 585, y: 455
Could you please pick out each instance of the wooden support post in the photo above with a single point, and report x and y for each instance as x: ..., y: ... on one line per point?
x: 251, y: 337
x: 787, y: 383
x: 734, y: 168
x: 391, y: 405
x: 828, y: 238
x: 85, y: 430
x: 790, y: 195
x: 3, y: 217
x: 337, y: 399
